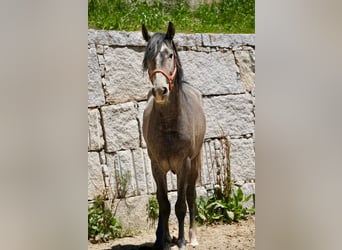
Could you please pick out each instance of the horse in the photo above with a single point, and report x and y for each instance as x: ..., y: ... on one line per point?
x: 173, y: 128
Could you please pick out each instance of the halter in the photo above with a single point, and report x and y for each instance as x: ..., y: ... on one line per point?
x: 170, y: 78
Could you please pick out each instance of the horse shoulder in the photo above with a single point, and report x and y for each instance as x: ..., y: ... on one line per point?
x: 193, y: 98
x: 146, y: 116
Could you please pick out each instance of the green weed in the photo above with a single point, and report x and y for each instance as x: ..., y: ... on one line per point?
x: 223, y: 209
x: 102, y: 225
x: 225, y: 205
x: 152, y: 210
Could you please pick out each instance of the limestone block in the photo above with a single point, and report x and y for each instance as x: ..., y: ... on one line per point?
x: 102, y: 37
x: 142, y: 171
x: 103, y: 157
x: 124, y: 78
x: 232, y: 113
x: 101, y: 61
x: 120, y: 126
x: 214, y: 162
x: 95, y: 94
x: 119, y: 38
x: 212, y: 73
x: 171, y: 179
x: 121, y: 171
x: 96, y: 184
x: 245, y: 59
x: 135, y: 39
x: 93, y: 65
x: 107, y: 182
x: 141, y: 107
x: 150, y: 183
x: 96, y: 141
x: 116, y: 37
x: 206, y: 174
x: 242, y: 160
x: 132, y: 212
x: 188, y: 40
x: 95, y: 91
x: 99, y: 49
x: 172, y: 196
x: 228, y: 41
x: 91, y: 36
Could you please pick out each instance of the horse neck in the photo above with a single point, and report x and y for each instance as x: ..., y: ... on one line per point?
x: 169, y: 112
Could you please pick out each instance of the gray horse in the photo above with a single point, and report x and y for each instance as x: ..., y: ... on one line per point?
x: 173, y: 128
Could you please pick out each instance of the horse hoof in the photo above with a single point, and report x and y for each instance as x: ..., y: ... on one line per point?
x: 174, y: 240
x: 194, y: 243
x: 181, y: 245
x: 165, y: 247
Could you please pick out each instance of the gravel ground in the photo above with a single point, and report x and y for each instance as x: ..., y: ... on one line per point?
x: 238, y: 236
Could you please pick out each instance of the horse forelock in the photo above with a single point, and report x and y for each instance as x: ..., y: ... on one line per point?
x: 153, y: 48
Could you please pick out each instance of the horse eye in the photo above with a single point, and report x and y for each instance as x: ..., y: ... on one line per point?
x: 171, y: 55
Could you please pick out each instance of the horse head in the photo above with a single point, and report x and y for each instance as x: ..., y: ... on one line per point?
x: 162, y: 62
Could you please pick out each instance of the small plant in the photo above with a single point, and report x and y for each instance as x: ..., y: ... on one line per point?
x: 122, y: 182
x: 224, y: 205
x: 153, y: 209
x: 102, y: 225
x: 220, y: 209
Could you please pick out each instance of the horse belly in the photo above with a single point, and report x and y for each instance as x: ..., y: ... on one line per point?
x: 171, y: 153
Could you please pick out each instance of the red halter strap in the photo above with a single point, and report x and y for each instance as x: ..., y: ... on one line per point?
x: 170, y: 78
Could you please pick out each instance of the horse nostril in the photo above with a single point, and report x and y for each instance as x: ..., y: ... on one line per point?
x: 159, y: 91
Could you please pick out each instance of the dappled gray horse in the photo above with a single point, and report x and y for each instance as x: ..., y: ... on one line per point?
x: 173, y: 128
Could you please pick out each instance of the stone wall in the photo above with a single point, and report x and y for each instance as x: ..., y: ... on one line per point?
x: 221, y: 66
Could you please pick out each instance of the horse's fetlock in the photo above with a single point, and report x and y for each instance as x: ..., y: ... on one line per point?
x: 181, y: 244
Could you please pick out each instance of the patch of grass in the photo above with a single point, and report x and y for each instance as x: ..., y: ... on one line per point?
x: 227, y: 16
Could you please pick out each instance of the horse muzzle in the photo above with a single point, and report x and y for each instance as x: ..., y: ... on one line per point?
x: 160, y: 94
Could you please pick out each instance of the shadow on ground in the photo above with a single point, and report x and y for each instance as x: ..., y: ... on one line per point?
x: 145, y: 246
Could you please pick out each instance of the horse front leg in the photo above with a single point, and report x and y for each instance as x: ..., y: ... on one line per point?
x: 180, y: 207
x: 162, y: 234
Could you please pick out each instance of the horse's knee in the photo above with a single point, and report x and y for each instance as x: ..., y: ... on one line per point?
x: 164, y: 204
x: 165, y: 209
x: 180, y: 208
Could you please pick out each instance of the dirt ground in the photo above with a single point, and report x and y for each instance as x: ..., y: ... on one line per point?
x: 238, y: 236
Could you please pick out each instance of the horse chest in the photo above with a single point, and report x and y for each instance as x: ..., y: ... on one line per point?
x: 169, y: 145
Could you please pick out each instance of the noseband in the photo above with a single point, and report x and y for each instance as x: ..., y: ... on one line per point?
x: 170, y: 78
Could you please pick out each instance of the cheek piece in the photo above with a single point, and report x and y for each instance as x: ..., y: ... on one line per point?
x: 169, y: 77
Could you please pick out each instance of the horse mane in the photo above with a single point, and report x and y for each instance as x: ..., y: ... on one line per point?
x: 153, y: 48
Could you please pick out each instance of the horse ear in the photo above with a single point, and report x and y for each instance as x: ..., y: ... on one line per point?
x: 170, y: 31
x: 145, y: 33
